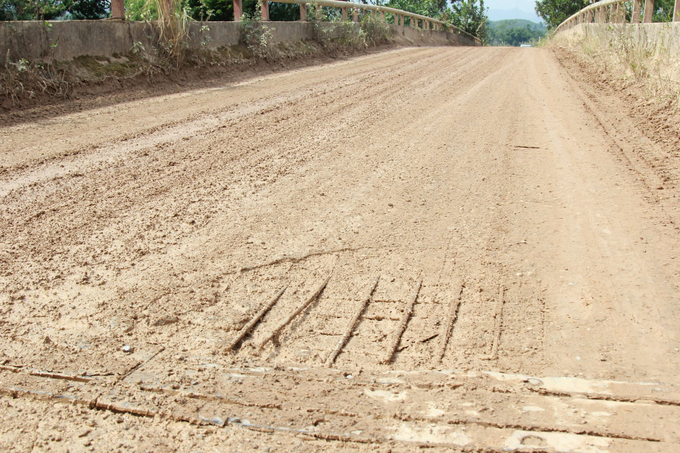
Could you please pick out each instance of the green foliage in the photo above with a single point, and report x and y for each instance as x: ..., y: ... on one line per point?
x: 663, y: 10
x: 90, y: 9
x: 140, y: 10
x: 173, y: 30
x: 53, y: 9
x: 331, y: 31
x: 254, y: 33
x: 514, y: 32
x: 430, y: 8
x: 31, y: 10
x: 284, y: 11
x: 554, y: 12
x: 374, y: 29
x: 223, y: 10
x: 470, y: 16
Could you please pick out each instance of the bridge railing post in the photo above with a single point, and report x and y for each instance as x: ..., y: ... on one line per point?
x: 344, y: 14
x: 622, y: 13
x: 614, y: 15
x: 117, y: 9
x: 265, y: 10
x: 303, y: 12
x: 637, y: 10
x: 238, y: 10
x: 649, y: 12
x: 676, y: 11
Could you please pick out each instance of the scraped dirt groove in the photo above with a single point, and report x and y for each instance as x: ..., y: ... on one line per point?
x: 433, y: 246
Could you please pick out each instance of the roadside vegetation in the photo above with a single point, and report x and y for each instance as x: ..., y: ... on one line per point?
x: 623, y: 56
x: 468, y: 15
x: 169, y: 23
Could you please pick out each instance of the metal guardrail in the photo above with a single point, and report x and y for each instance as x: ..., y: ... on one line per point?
x: 614, y: 11
x: 428, y: 23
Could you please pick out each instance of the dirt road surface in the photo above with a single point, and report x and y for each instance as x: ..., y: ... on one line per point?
x: 475, y: 253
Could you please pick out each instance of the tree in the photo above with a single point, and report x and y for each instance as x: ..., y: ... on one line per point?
x: 663, y: 10
x: 89, y: 9
x: 554, y: 12
x: 514, y: 32
x: 30, y: 10
x: 53, y: 9
x: 470, y: 16
x: 430, y: 8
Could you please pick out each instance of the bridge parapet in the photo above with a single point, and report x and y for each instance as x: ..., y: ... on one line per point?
x: 615, y: 12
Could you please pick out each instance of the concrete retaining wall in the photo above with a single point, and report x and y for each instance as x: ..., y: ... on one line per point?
x: 65, y: 40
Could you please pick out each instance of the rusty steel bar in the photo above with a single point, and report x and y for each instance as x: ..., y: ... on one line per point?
x: 403, y: 322
x: 352, y: 324
x: 256, y: 319
x: 299, y: 310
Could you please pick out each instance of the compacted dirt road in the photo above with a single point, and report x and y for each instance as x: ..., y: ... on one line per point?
x: 449, y: 247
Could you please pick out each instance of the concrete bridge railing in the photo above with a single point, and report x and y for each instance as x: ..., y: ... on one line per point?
x: 615, y: 11
x: 415, y: 20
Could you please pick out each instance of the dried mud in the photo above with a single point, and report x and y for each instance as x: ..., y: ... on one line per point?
x: 507, y: 206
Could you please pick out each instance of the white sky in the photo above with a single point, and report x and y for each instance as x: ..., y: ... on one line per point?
x: 525, y: 5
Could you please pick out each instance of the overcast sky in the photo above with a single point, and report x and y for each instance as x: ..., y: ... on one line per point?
x: 524, y: 6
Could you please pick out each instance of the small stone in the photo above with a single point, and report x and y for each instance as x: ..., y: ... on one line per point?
x: 127, y: 349
x: 165, y: 320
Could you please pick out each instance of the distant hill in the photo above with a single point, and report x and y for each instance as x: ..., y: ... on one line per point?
x: 514, y: 32
x: 516, y: 23
x: 496, y: 14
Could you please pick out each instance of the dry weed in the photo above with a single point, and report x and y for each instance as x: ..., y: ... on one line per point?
x: 642, y: 55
